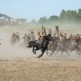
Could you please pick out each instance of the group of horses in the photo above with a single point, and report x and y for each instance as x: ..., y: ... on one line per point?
x: 16, y: 39
x: 52, y: 43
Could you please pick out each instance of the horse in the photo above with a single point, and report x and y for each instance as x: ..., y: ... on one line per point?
x: 17, y: 39
x: 55, y: 46
x: 37, y: 46
x: 26, y: 39
x: 13, y: 40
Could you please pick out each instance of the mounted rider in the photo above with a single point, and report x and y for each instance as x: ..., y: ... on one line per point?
x: 32, y: 35
x: 57, y: 30
x: 50, y: 31
x: 13, y: 35
x: 42, y: 33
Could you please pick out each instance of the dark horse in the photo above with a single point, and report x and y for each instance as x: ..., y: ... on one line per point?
x: 37, y: 46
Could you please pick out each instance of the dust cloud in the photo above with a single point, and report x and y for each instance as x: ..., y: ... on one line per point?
x: 17, y: 52
x: 9, y: 52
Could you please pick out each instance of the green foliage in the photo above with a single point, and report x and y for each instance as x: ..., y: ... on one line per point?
x: 42, y: 20
x: 53, y: 18
x: 65, y: 16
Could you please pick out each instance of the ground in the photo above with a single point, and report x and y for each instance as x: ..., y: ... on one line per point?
x: 41, y: 70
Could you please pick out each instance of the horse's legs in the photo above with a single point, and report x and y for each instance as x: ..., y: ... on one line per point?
x: 52, y: 53
x: 34, y: 50
x: 43, y: 50
x: 56, y: 52
x: 67, y: 52
x: 79, y: 52
x: 47, y: 52
x: 61, y: 53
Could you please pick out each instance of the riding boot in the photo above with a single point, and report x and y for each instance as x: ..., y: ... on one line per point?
x: 41, y: 44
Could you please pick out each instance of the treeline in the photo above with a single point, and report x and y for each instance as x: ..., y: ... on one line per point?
x: 68, y: 16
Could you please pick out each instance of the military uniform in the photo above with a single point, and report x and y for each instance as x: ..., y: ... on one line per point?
x: 42, y: 34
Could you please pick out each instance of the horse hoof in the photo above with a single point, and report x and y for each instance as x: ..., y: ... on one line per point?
x: 39, y: 56
x: 34, y: 52
x: 34, y: 55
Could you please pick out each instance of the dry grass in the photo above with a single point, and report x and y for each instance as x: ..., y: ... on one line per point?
x: 41, y: 70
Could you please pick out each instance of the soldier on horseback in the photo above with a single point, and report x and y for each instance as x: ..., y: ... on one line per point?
x: 42, y: 34
x: 17, y: 37
x: 50, y: 31
x: 13, y: 39
x: 32, y: 35
x: 57, y: 30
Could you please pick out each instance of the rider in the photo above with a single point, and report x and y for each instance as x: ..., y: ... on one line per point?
x: 50, y: 31
x: 47, y: 37
x: 17, y: 34
x: 42, y: 33
x: 32, y: 36
x: 13, y: 35
x: 57, y: 30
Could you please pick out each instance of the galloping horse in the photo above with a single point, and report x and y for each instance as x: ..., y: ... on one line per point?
x: 37, y: 46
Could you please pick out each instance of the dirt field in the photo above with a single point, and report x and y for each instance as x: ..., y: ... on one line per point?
x: 41, y: 70
x: 19, y: 64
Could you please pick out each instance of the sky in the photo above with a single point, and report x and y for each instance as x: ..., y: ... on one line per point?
x: 34, y: 9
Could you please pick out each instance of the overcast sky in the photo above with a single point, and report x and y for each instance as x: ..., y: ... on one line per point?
x: 30, y: 9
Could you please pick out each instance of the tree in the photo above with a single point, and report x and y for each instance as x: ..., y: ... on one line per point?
x: 33, y: 21
x: 79, y: 11
x: 62, y: 14
x: 42, y: 20
x: 68, y: 16
x: 53, y: 18
x: 79, y: 15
